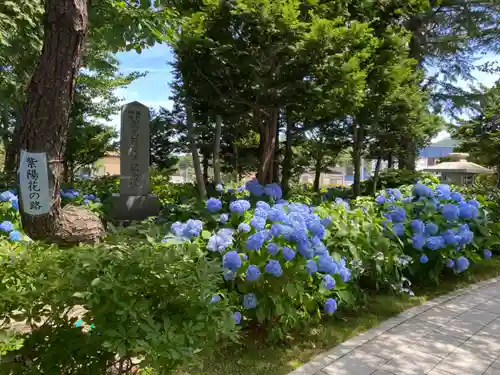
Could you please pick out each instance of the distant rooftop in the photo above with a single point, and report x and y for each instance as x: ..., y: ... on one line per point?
x: 439, y: 149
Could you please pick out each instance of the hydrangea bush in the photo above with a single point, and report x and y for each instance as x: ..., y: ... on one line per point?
x: 437, y: 227
x: 276, y: 265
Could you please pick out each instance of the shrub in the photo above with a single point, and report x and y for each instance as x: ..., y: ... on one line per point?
x: 140, y: 300
x: 438, y: 228
x: 276, y: 266
x: 395, y: 178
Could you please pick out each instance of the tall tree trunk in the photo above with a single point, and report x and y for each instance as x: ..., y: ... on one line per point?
x: 317, y: 171
x: 376, y: 174
x: 265, y: 173
x: 200, y: 183
x: 45, y: 121
x: 276, y: 157
x: 217, y: 136
x: 205, y: 163
x: 358, y: 135
x: 286, y: 171
x: 236, y: 162
x: 390, y: 161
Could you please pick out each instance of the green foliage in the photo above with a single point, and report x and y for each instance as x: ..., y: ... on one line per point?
x: 158, y: 312
x: 395, y: 178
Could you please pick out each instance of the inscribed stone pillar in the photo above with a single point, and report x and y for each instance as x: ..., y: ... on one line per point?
x: 134, y: 150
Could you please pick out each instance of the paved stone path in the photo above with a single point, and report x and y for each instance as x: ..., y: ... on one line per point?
x: 456, y: 334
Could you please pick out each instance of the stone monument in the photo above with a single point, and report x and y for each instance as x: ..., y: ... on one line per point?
x: 134, y: 201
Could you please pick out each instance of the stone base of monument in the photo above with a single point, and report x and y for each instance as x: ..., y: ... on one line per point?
x: 130, y: 207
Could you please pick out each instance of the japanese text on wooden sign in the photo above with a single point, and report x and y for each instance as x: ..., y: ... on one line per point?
x: 34, y: 183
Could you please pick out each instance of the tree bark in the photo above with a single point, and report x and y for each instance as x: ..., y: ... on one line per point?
x: 317, y: 171
x: 236, y: 162
x: 267, y: 129
x: 200, y: 184
x: 205, y: 163
x: 286, y: 171
x: 217, y: 136
x: 45, y: 121
x: 276, y: 152
x: 358, y: 135
x: 390, y: 161
x: 376, y: 174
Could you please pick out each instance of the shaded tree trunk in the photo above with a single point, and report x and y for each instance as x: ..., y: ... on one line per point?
x: 267, y: 130
x: 286, y: 171
x: 236, y: 163
x: 376, y: 174
x: 390, y: 161
x: 318, y: 164
x: 205, y: 163
x: 277, y: 154
x: 200, y: 183
x: 45, y: 121
x: 217, y: 136
x: 358, y: 136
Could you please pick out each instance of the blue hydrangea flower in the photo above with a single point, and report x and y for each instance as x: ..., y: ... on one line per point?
x: 450, y: 237
x: 345, y: 274
x: 398, y: 229
x: 273, y: 191
x: 237, y: 317
x: 326, y: 221
x: 86, y: 202
x: 468, y: 211
x: 249, y: 301
x: 15, y: 236
x: 7, y: 196
x: 457, y: 197
x: 215, y: 298
x: 239, y: 206
x: 263, y: 205
x: 328, y: 282
x: 398, y: 215
x: 380, y: 199
x: 326, y: 264
x: 461, y: 264
x: 260, y: 212
x: 231, y: 260
x: 288, y: 253
x: 418, y: 241
x: 431, y: 229
x: 255, y: 188
x: 474, y: 203
x: 450, y: 212
x: 443, y: 192
x: 435, y: 243
x: 272, y: 248
x: 487, y: 254
x: 311, y: 267
x: 223, y: 218
x: 450, y: 263
x: 219, y: 188
x: 244, y: 228
x: 420, y: 190
x: 424, y: 259
x: 213, y: 205
x: 256, y: 240
x: 274, y: 268
x: 330, y: 306
x: 258, y: 222
x: 6, y: 226
x: 229, y: 275
x: 417, y: 226
x: 253, y: 273
x: 15, y: 204
x: 220, y: 241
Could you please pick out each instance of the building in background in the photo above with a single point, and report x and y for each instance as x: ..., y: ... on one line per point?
x: 431, y: 154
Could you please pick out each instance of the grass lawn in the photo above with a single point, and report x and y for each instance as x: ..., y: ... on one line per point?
x: 256, y: 357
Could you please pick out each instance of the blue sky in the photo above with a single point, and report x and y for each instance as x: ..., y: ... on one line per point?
x: 153, y: 90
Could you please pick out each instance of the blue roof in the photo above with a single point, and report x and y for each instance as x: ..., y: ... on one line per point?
x: 439, y: 149
x: 436, y: 152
